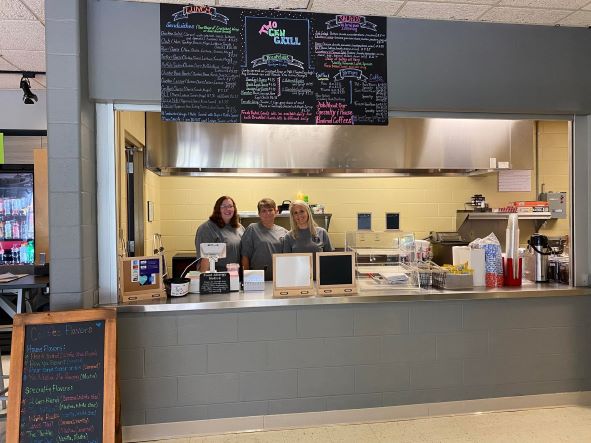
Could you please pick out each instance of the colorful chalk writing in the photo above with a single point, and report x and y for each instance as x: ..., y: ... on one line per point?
x: 199, y: 64
x: 351, y: 69
x: 62, y: 383
x: 268, y: 66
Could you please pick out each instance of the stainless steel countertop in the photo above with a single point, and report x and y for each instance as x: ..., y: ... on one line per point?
x: 262, y: 299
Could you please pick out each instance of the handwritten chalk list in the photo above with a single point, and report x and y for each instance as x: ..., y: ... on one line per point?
x: 231, y: 65
x: 63, y: 391
x: 351, y: 69
x: 199, y: 64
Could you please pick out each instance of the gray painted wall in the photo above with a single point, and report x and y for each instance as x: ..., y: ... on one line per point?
x: 204, y: 365
x: 71, y: 159
x: 432, y: 65
x: 14, y: 114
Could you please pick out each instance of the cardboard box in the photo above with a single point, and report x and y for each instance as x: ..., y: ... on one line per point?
x: 140, y: 278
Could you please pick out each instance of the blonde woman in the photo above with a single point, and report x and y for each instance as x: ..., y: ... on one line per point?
x: 305, y: 235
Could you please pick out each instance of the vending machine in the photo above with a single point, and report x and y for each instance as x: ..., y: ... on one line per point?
x: 17, y: 214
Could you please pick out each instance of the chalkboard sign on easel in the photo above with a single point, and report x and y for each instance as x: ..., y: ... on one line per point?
x: 62, y: 377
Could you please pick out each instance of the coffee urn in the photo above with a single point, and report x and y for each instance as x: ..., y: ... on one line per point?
x: 538, y: 252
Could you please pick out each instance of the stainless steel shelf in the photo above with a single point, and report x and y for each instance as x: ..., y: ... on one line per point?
x: 505, y: 215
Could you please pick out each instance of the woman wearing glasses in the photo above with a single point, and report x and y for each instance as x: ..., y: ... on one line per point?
x: 222, y: 227
x: 305, y: 235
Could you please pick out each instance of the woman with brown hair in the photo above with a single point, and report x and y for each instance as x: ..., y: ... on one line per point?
x: 222, y: 227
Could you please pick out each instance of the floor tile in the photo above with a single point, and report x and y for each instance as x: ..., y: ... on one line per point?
x: 547, y: 425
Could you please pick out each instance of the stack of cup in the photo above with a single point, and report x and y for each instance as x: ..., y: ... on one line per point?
x: 493, y: 265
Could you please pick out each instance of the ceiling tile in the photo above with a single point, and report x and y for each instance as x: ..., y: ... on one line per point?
x: 25, y: 60
x: 442, y: 11
x: 588, y: 7
x: 265, y: 4
x: 22, y: 34
x: 14, y: 10
x: 5, y: 65
x: 524, y: 16
x: 40, y: 81
x: 548, y: 4
x: 10, y: 81
x: 37, y: 7
x: 475, y: 2
x: 358, y: 7
x: 578, y: 18
x: 176, y: 2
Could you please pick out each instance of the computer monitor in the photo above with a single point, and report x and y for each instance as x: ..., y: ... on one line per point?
x: 335, y: 273
x: 217, y: 250
x: 213, y: 252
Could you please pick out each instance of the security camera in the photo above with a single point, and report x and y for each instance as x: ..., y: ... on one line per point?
x: 28, y: 96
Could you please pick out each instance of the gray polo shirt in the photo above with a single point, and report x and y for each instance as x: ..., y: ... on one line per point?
x: 259, y: 244
x: 306, y: 243
x: 209, y: 232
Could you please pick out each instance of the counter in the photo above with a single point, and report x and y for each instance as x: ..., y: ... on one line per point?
x: 260, y: 299
x: 247, y: 354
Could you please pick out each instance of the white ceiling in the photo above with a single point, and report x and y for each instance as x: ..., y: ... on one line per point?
x: 22, y: 22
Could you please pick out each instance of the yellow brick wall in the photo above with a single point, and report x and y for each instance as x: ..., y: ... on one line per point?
x: 130, y: 125
x: 152, y: 194
x: 553, y: 169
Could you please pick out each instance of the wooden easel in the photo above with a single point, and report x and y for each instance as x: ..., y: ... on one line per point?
x: 54, y: 335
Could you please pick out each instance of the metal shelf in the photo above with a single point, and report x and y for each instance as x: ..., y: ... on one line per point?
x: 505, y: 215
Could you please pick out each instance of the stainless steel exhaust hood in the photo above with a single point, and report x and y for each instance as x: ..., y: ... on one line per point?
x: 407, y: 146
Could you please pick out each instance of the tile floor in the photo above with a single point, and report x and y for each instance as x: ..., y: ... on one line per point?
x: 552, y: 425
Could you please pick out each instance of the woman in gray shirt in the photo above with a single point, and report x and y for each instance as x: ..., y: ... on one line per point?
x: 263, y: 239
x: 305, y: 235
x: 222, y: 227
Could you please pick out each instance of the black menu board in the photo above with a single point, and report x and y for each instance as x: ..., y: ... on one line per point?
x: 199, y: 63
x: 61, y: 388
x: 231, y: 65
x: 277, y: 81
x: 351, y: 70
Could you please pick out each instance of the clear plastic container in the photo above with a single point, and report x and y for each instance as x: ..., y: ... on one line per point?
x: 233, y: 269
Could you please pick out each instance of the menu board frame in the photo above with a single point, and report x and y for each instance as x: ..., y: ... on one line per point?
x: 21, y: 322
x: 268, y: 66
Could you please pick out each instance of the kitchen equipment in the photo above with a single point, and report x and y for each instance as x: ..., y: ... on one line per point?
x: 478, y: 203
x: 442, y: 244
x: 536, y: 258
x: 284, y: 206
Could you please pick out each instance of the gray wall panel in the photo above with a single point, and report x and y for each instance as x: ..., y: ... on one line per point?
x: 432, y: 65
x: 521, y: 347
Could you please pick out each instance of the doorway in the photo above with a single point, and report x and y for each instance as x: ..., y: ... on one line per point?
x: 134, y: 173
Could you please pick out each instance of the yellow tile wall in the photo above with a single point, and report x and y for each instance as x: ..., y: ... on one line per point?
x: 151, y: 193
x: 130, y: 125
x: 553, y: 168
x: 425, y: 203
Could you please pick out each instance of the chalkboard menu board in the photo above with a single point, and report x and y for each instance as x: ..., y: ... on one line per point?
x: 230, y: 65
x: 62, y: 376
